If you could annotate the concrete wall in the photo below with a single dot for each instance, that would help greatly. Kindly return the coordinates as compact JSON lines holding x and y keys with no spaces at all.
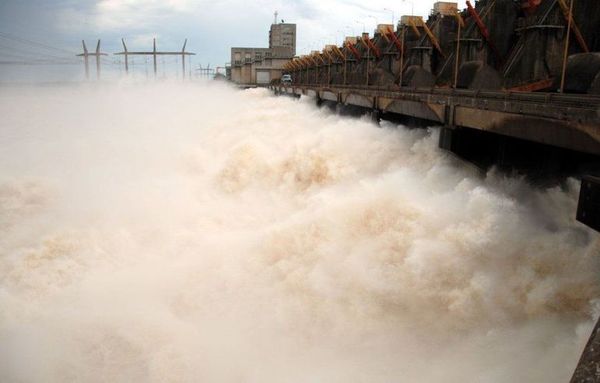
{"x":245,"y":62}
{"x":445,"y":8}
{"x":283,"y":35}
{"x":246,"y":73}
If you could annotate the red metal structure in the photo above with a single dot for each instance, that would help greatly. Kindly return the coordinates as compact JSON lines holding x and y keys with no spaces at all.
{"x":484,"y":32}
{"x":570,"y":20}
{"x":354,"y":51}
{"x":372,"y":47}
{"x":394,"y":38}
{"x":530,"y":6}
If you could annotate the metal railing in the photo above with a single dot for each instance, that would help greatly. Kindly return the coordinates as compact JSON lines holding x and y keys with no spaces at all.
{"x":576,"y":100}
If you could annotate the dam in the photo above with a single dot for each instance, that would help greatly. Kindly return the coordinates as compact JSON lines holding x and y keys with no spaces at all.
{"x":511,"y":84}
{"x":415,"y":204}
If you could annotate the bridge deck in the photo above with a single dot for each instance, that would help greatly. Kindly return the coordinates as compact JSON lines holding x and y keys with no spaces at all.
{"x":563,"y":120}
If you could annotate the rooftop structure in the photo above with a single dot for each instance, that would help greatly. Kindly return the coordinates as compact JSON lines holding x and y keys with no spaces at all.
{"x":257,"y":66}
{"x":445,"y":8}
{"x":283,"y":35}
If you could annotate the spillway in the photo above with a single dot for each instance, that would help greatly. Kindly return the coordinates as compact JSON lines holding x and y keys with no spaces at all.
{"x":193,"y":232}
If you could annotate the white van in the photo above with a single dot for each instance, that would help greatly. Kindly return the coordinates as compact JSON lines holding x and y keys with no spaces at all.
{"x":286,"y":79}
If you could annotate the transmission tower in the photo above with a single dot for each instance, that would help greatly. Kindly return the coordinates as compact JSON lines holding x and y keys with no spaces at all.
{"x":154,"y":53}
{"x":86,"y":56}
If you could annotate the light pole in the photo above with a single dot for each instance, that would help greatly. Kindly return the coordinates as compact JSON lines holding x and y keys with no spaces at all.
{"x":329,"y":59}
{"x":412,"y":4}
{"x":352,"y":33}
{"x":345,"y":57}
{"x":374,"y":18}
{"x":393,"y":18}
{"x":363,"y":24}
{"x":341,"y":32}
{"x":566,"y":52}
{"x":369,"y":50}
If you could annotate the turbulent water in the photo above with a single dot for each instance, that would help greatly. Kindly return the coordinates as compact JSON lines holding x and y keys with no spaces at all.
{"x":194,"y":233}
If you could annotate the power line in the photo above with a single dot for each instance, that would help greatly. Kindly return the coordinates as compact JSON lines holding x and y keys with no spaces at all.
{"x":4,"y":48}
{"x":18,"y":51}
{"x":21,"y":47}
{"x":37,"y":44}
{"x":33,"y":59}
{"x":33,"y":63}
{"x":155,"y":53}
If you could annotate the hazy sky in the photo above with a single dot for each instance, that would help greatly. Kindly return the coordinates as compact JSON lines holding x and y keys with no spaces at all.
{"x":212,"y":27}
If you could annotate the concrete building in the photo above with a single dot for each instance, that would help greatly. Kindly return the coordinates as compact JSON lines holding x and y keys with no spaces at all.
{"x":257,"y":66}
{"x":283,"y":35}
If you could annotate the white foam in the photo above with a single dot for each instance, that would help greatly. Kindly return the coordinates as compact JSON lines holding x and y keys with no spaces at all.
{"x":176,"y":232}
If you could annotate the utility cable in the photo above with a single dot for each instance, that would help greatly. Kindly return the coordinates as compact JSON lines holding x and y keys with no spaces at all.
{"x":8,"y":36}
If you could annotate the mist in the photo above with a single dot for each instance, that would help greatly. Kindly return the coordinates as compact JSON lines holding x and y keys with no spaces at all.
{"x":193,"y":232}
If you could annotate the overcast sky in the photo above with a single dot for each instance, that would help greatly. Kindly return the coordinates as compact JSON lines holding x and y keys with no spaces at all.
{"x":212,"y":27}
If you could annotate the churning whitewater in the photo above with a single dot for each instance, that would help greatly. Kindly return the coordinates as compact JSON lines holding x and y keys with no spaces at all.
{"x":196,"y":233}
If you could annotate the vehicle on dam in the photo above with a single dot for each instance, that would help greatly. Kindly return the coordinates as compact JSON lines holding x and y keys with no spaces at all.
{"x":286,"y":79}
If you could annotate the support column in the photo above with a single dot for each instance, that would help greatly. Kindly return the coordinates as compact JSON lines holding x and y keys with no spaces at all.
{"x":86,"y":61}
{"x":154,"y":55}
{"x":183,"y":59}
{"x":126,"y":54}
{"x":98,"y":60}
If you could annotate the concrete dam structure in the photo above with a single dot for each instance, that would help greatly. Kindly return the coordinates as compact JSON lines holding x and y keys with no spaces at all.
{"x":524,"y":70}
{"x":514,"y":84}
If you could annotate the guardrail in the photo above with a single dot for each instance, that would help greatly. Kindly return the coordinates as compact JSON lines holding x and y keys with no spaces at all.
{"x":553,"y":105}
{"x":547,"y":98}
